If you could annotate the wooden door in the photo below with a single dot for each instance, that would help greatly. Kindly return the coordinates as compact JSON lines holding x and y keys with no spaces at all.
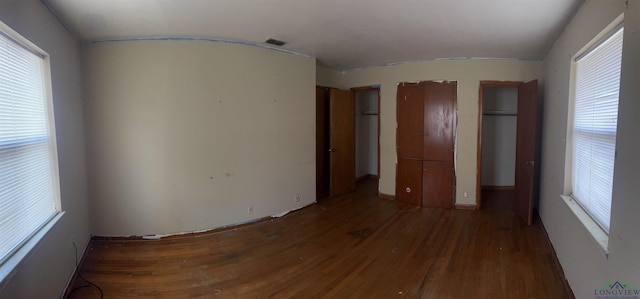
{"x":439,"y":120}
{"x":526,"y":145}
{"x":409,"y":181}
{"x":342,"y":146}
{"x":410,"y":119}
{"x":437,"y":184}
{"x":322,"y":141}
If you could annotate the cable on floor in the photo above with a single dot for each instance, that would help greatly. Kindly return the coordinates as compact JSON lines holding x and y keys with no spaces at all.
{"x":89,"y":283}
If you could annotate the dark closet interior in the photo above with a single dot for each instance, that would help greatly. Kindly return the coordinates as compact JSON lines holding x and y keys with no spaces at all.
{"x":322,"y":141}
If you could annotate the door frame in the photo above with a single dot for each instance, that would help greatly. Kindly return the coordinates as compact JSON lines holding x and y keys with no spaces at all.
{"x":484,"y":84}
{"x":368,"y":88}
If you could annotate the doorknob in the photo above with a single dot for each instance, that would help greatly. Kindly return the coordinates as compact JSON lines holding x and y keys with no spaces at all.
{"x":332,"y":150}
{"x":530,"y":163}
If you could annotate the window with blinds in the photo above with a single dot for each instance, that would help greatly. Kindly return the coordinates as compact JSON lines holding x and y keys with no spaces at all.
{"x":29,"y":195}
{"x":595,"y":119}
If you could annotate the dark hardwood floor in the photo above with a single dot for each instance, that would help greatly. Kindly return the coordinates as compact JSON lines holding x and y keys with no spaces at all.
{"x":353,"y":246}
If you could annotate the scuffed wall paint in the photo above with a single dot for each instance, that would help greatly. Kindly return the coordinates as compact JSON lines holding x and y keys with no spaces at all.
{"x":191,"y":135}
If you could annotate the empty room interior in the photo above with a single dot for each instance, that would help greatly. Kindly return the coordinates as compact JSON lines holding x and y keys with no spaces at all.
{"x":319,"y":149}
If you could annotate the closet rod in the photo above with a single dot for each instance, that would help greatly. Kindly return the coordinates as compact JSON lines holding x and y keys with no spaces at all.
{"x":496,"y":112}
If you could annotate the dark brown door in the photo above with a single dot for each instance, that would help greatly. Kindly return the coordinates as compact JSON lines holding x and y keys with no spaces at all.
{"x":526,"y":139}
{"x":439,"y":113}
{"x":322,"y":141}
{"x":437,"y":182}
{"x":426,"y":132}
{"x":410,"y":116}
{"x":342,"y":147}
{"x":409,"y":181}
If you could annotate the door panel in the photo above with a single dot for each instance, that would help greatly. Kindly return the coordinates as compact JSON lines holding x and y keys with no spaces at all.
{"x":342,"y":135}
{"x":437,"y":182}
{"x":410,"y":119}
{"x":439,"y":126}
{"x":409,"y":181}
{"x":322,"y":141}
{"x":526,"y":140}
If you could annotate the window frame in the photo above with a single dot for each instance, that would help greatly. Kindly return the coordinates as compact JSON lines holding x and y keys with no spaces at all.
{"x":591,"y":225}
{"x":15,"y":258}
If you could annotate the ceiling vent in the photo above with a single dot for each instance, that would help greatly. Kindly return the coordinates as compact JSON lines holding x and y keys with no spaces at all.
{"x":275,"y":42}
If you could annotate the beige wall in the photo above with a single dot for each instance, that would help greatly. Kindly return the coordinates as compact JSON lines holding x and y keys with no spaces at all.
{"x":189,"y":135}
{"x":330,"y":78}
{"x":582,"y":259}
{"x":468,"y":73}
{"x":45,"y":272}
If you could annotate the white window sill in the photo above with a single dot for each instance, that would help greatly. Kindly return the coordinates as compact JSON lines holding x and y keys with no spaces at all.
{"x":599,"y":235}
{"x":9,"y":268}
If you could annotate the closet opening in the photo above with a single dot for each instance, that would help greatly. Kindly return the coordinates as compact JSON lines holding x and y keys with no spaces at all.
{"x":367,"y":133}
{"x":499,"y":123}
{"x":335,"y":142}
{"x":497,"y":132}
{"x":508,"y":139}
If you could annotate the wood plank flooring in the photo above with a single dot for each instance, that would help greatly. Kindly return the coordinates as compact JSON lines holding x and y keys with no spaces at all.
{"x":353,"y":246}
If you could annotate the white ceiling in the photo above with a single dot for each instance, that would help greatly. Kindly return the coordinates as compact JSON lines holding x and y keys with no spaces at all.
{"x":341,"y":34}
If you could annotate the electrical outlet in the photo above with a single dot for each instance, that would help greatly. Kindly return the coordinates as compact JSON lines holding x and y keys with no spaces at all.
{"x":250,"y":209}
{"x":297,"y":197}
{"x":466,"y":194}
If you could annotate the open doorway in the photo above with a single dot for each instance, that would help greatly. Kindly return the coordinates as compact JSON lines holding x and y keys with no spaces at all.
{"x":497,"y":133}
{"x":508,"y":135}
{"x":347,"y":138}
{"x":367,"y":133}
{"x":499,"y":122}
{"x":335,"y":142}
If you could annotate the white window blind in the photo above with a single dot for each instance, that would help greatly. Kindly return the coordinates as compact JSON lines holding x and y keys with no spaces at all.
{"x":595,"y":122}
{"x":28,"y":197}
